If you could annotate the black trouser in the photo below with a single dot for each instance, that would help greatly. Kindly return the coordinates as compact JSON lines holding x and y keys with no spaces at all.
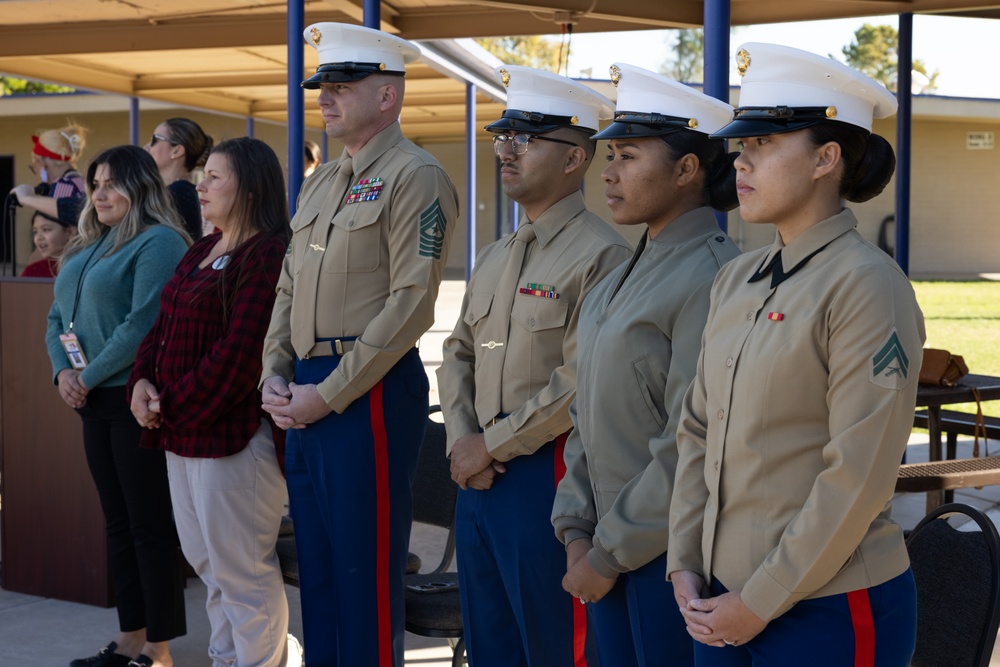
{"x":142,"y":542}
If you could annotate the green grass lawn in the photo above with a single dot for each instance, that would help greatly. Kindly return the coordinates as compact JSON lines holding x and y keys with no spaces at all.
{"x":964,"y":318}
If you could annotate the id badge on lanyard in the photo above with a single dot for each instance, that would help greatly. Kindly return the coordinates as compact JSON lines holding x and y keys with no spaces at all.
{"x":71,"y":344}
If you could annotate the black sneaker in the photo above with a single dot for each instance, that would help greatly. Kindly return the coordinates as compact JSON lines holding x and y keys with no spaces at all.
{"x":106,"y":657}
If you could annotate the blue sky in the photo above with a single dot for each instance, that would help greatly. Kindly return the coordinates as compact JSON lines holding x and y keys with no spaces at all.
{"x":962,"y":50}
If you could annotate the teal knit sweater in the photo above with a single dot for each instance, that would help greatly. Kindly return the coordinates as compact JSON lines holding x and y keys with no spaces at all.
{"x":119,"y":302}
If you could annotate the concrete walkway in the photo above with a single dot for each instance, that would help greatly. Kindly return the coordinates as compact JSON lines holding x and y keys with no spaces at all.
{"x":40,"y":632}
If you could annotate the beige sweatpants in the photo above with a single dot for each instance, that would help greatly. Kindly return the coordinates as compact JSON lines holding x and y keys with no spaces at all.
{"x":228,"y":511}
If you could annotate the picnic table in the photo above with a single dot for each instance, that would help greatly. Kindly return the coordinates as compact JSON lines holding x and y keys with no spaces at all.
{"x":934,"y":397}
{"x":938,"y":475}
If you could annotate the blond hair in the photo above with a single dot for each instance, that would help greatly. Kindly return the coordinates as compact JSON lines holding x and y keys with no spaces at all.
{"x":66,"y":141}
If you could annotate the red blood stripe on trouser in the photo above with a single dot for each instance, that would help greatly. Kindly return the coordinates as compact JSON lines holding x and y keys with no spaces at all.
{"x":864,"y":628}
{"x":579,"y":610}
{"x":381,"y":527}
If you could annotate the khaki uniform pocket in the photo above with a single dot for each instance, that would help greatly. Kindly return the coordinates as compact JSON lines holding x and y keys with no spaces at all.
{"x":355,"y":242}
{"x":537,"y":329}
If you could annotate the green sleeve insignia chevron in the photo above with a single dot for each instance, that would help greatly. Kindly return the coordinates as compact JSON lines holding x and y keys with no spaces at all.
{"x":890,"y":367}
{"x":432,"y":226}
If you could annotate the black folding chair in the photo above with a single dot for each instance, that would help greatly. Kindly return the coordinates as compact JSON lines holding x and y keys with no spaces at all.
{"x":433,"y":606}
{"x":958,"y":589}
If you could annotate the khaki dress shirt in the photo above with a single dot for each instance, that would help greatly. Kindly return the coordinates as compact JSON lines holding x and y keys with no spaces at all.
{"x":792,"y":432}
{"x":638,"y":355}
{"x":572,"y":251}
{"x":375,"y":264}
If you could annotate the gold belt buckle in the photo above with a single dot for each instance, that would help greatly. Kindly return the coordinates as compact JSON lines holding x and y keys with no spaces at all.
{"x":492,"y":422}
{"x":339,"y":346}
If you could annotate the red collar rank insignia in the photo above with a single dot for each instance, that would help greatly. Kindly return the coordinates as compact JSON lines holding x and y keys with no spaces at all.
{"x":367,"y":189}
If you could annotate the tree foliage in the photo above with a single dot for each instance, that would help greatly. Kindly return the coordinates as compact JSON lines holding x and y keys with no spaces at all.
{"x":875,"y":51}
{"x":12,"y":86}
{"x":528,"y":50}
{"x":687,"y":62}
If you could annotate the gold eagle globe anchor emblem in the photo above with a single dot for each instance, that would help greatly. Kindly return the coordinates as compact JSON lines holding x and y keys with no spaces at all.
{"x":742,"y":61}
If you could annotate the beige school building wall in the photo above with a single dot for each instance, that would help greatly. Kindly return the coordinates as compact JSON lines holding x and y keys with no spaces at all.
{"x":954,"y":206}
{"x":954,"y":203}
{"x":107,"y":122}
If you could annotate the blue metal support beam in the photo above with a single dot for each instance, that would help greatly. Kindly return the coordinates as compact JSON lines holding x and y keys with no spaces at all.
{"x":372,"y":11}
{"x":133,"y":121}
{"x":904,"y":135}
{"x":470,"y":178}
{"x":250,"y":126}
{"x":296,"y":102}
{"x":717,"y":17}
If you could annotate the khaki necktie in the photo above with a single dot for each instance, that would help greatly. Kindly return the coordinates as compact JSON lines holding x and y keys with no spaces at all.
{"x":489,"y":376}
{"x":303,"y":315}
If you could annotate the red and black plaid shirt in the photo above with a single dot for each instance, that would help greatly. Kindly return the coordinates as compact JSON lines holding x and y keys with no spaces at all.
{"x":205,"y":367}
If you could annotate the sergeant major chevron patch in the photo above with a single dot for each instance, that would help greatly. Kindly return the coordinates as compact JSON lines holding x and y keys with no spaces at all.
{"x":432,"y":227}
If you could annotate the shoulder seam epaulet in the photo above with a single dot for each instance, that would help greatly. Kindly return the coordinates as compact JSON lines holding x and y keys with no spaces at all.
{"x":715,"y":245}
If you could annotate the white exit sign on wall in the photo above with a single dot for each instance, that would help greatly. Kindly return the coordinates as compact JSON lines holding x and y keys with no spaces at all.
{"x":979,"y":141}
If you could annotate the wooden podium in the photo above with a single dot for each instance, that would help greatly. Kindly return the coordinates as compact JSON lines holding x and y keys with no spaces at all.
{"x":52,"y":541}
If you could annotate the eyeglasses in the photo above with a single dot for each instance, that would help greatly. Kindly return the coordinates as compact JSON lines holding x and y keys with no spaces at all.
{"x":160,"y":137}
{"x":519,"y":142}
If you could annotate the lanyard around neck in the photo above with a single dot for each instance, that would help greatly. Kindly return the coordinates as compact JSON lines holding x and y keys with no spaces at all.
{"x":83,"y":275}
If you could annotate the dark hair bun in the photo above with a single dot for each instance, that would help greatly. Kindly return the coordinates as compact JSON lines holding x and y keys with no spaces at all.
{"x":203,"y":158}
{"x":874,"y":171}
{"x":197,"y":145}
{"x":722,"y":184}
{"x":719,"y":188}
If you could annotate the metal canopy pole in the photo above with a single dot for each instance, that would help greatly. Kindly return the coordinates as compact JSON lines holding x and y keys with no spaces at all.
{"x":904,"y":137}
{"x":296,"y":102}
{"x":470,"y":178}
{"x":133,"y":121}
{"x":372,"y":11}
{"x":717,"y":18}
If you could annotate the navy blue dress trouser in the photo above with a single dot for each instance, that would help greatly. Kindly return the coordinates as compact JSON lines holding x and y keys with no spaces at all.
{"x":638,"y":624}
{"x":510,"y":567}
{"x":349,"y":488}
{"x":872,"y":627}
